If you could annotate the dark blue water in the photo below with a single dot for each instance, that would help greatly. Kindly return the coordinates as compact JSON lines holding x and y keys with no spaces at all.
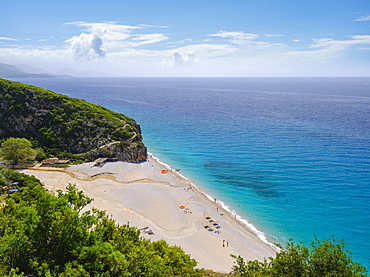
{"x":290,"y":155}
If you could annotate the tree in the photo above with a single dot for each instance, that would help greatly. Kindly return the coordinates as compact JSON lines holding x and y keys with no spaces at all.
{"x":17,"y":149}
{"x":53,"y":235}
{"x":324,"y":258}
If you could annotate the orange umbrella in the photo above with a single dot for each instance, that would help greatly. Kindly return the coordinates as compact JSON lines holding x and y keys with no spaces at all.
{"x":182,"y":207}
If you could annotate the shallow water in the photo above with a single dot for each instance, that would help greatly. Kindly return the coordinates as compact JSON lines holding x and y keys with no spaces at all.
{"x":290,"y":155}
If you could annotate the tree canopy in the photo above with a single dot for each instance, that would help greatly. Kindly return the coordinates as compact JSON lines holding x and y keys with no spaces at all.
{"x":46,"y":235}
{"x":17,"y":150}
{"x":326,"y":258}
{"x":42,"y":234}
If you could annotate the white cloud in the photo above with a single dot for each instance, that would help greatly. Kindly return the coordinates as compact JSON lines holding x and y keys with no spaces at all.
{"x":86,"y":46}
{"x":328,"y":48}
{"x":209,"y":51}
{"x":236,"y":37}
{"x":183,"y":60}
{"x":245,"y":39}
{"x":143,"y":50}
{"x":8,"y":39}
{"x":274,"y":36}
{"x":114,"y":37}
{"x":338,"y":45}
{"x":148,"y":39}
{"x":363,"y":18}
{"x":153,"y":26}
{"x":184,"y":41}
{"x":101,"y":28}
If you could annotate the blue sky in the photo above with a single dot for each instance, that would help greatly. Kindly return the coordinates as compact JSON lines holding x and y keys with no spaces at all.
{"x":189,"y":38}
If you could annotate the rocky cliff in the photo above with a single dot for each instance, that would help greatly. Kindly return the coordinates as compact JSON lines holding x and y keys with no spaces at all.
{"x":58,"y":123}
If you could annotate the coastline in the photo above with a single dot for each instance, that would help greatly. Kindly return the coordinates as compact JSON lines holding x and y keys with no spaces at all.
{"x":261,"y":235}
{"x":150,"y":196}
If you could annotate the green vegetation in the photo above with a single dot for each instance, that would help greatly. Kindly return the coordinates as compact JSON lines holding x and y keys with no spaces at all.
{"x":17,"y":150}
{"x":324,"y":258}
{"x":61,"y":125}
{"x":46,"y":235}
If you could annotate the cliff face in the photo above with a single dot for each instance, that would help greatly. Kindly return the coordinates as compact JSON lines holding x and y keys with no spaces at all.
{"x":60,"y":123}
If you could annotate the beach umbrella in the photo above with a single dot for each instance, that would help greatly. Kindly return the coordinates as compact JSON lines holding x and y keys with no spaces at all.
{"x":182,"y":207}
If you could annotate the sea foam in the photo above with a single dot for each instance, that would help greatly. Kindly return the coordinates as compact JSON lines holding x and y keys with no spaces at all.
{"x":261,"y":235}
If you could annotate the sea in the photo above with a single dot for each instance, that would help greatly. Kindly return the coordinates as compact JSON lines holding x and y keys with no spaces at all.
{"x":289,"y":156}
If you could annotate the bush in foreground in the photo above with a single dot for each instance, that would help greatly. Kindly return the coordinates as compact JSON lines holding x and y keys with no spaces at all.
{"x":46,"y":235}
{"x":323,"y":259}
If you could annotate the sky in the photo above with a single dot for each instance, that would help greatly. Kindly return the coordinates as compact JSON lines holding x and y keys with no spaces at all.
{"x":234,"y":38}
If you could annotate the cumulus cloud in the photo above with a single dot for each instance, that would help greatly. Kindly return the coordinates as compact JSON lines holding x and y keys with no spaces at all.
{"x":115,"y":38}
{"x":183,"y":60}
{"x":87,"y":46}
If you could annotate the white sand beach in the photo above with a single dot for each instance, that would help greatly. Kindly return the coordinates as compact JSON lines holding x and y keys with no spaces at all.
{"x":141,"y":195}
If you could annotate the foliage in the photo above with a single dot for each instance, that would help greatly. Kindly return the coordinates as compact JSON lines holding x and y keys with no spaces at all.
{"x":17,"y":149}
{"x":46,"y":235}
{"x":324,"y":258}
{"x":58,"y":125}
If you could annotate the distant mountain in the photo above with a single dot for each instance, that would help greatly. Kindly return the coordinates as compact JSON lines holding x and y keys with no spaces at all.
{"x":11,"y":71}
{"x":30,"y":69}
{"x":7,"y":70}
{"x":70,"y":71}
{"x":26,"y":71}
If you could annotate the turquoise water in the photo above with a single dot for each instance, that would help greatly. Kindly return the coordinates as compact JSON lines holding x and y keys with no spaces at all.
{"x":290,"y":155}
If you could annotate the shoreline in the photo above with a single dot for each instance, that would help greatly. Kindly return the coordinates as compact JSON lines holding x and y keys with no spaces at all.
{"x":261,"y":235}
{"x":141,"y":195}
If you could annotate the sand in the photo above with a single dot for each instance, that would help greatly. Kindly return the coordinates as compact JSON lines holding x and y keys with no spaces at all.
{"x":141,"y":195}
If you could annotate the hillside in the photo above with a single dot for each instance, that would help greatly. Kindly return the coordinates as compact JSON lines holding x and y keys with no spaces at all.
{"x":57,"y":123}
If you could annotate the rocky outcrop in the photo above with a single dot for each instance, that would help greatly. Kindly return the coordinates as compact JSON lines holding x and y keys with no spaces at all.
{"x":121,"y":151}
{"x":58,"y":123}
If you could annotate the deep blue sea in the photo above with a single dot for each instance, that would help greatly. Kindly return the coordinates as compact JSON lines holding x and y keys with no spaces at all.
{"x":289,"y":155}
